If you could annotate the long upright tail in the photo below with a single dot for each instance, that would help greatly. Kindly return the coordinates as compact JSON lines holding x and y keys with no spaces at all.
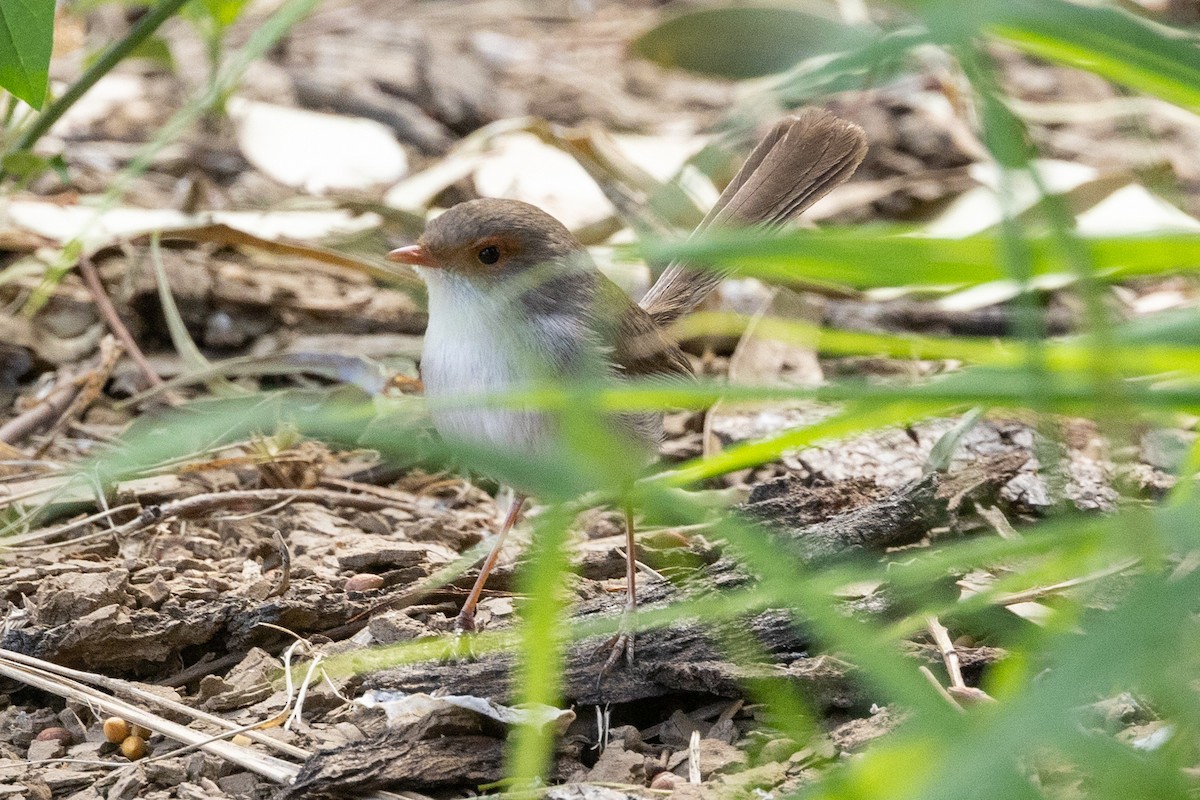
{"x":798,"y":163}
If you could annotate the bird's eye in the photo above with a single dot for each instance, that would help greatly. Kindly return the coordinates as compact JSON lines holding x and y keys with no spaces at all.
{"x":489,"y":254}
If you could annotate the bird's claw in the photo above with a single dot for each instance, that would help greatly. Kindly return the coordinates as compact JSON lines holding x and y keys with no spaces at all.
{"x":460,"y":644}
{"x":618,"y":646}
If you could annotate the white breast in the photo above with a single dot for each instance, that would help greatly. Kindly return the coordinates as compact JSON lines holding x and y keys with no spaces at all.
{"x":473,"y":347}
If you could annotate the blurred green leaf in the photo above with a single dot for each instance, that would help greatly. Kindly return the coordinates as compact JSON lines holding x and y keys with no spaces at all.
{"x":544,"y":635}
{"x":225,"y":12}
{"x":1111,"y":42}
{"x":1142,"y":347}
{"x":1180,"y":326}
{"x":882,"y":257}
{"x":876,"y":61}
{"x":26,"y":39}
{"x":156,"y":50}
{"x":743,"y":41}
{"x":26,"y":166}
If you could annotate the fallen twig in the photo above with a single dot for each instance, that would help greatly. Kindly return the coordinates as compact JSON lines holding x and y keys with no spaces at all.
{"x":941,"y":637}
{"x":115,"y":324}
{"x":937,"y":687}
{"x":120,"y":687}
{"x":1000,"y":524}
{"x":44,"y":413}
{"x":958,"y":689}
{"x":199,"y":504}
{"x":1042,"y":591}
{"x":91,"y":386}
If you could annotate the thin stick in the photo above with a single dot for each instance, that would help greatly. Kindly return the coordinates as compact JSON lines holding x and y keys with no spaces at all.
{"x":1000,"y":524}
{"x":1041,"y":591}
{"x":941,"y":638}
{"x":91,"y":386}
{"x":199,"y":504}
{"x":694,"y":758}
{"x":937,"y":686}
{"x":285,"y":567}
{"x":50,"y":408}
{"x":115,"y":324}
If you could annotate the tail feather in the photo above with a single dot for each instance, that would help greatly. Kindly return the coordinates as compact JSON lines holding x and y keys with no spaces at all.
{"x":796,"y":164}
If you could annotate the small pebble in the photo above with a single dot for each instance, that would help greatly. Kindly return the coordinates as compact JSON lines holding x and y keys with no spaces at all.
{"x":665,"y":780}
{"x":363,"y":582}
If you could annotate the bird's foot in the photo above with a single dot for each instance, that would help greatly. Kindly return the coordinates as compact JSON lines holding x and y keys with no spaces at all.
{"x":465,"y":622}
{"x":618,"y":646}
{"x":460,"y":644}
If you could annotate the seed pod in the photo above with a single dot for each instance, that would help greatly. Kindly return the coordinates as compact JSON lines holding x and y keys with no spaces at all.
{"x":133,"y":748}
{"x":55,"y":734}
{"x":663,"y":540}
{"x":241,"y":740}
{"x":138,"y":730}
{"x":116,"y":730}
{"x":363,"y":582}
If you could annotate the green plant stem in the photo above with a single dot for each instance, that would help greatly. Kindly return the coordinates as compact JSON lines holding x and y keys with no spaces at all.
{"x":10,"y":108}
{"x":103,"y":65}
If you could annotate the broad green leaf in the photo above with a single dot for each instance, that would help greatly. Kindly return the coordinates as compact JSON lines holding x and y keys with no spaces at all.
{"x":743,"y":41}
{"x":1111,"y":42}
{"x":1108,"y":41}
{"x":26,"y":37}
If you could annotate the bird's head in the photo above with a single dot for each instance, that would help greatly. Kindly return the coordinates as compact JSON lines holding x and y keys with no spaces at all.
{"x":490,"y":242}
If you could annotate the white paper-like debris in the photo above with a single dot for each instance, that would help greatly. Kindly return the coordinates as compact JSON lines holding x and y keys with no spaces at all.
{"x":992,"y":293}
{"x":661,"y":156}
{"x":116,"y":92}
{"x":1128,"y":209}
{"x":418,"y":190}
{"x":316,"y":152}
{"x":297,"y":225}
{"x":62,"y":223}
{"x":95,"y":228}
{"x":520,"y":166}
{"x":979,"y":209}
{"x":403,"y":709}
{"x":1131,"y":210}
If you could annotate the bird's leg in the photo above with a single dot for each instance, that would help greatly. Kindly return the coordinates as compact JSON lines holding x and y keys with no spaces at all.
{"x":466,"y":617}
{"x":622,"y":643}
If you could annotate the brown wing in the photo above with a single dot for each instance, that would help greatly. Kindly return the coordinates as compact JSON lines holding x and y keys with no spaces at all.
{"x":639,"y":347}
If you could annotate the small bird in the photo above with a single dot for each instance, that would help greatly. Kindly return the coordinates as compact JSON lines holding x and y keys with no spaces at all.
{"x":514,"y":298}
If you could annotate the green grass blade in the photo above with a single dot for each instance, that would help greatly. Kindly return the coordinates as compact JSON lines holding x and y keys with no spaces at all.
{"x":864,"y":259}
{"x":543,"y":637}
